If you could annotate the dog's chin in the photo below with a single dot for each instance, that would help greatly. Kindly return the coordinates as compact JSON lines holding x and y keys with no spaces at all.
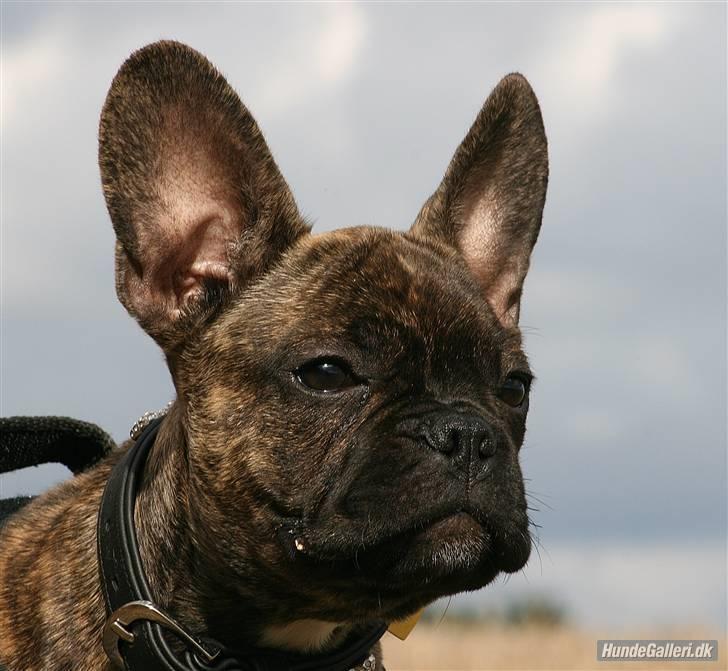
{"x":456,"y":544}
{"x":406,"y":570}
{"x":455,"y":550}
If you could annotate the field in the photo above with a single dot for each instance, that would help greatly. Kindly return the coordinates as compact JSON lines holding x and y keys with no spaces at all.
{"x":478,"y":646}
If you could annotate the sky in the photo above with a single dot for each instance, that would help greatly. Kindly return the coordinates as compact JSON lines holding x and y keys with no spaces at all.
{"x":624,"y":309}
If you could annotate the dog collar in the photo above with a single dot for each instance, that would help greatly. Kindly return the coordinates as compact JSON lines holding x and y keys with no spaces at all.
{"x":134,"y":634}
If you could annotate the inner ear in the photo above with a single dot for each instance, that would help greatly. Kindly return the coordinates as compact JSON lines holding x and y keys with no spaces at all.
{"x":201,"y":211}
{"x":205,"y":260}
{"x":494,"y":255}
{"x":186,"y":228}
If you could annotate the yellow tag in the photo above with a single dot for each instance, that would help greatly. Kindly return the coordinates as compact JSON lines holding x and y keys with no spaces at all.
{"x":402,"y":628}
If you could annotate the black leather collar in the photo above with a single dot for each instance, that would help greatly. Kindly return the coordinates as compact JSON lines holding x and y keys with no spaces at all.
{"x":134,"y":633}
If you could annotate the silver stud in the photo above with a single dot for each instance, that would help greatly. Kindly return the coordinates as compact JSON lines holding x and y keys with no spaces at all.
{"x":369,"y":664}
{"x":145,"y":419}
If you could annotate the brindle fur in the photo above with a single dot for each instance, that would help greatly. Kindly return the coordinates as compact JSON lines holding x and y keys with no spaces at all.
{"x":247,"y":458}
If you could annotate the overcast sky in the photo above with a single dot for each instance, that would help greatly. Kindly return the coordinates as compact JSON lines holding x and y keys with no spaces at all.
{"x":624,"y":309}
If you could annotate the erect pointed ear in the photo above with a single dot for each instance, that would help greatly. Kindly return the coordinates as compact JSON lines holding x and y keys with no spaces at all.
{"x":194,"y":195}
{"x":490,"y":202}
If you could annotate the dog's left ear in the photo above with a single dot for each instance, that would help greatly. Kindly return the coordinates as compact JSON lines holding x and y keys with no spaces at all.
{"x":490,"y":202}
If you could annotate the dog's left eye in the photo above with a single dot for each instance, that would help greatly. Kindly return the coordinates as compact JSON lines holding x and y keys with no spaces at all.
{"x":326,"y":375}
{"x":513,"y":391}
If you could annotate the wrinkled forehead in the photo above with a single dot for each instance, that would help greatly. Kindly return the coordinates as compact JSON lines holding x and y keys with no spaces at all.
{"x":373,"y":288}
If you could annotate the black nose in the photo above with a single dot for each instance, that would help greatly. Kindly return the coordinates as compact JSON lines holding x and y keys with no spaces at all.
{"x":467,"y":439}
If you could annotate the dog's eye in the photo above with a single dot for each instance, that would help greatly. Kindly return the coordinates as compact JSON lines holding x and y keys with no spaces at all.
{"x":513,"y":391}
{"x":326,"y":375}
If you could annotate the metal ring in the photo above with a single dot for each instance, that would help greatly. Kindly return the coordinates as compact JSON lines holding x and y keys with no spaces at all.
{"x":116,"y":629}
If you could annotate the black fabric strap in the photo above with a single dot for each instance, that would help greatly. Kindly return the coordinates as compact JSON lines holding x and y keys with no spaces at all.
{"x":30,"y":441}
{"x":123,"y":581}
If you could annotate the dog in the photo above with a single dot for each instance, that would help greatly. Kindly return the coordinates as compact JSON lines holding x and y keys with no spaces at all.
{"x":350,"y":406}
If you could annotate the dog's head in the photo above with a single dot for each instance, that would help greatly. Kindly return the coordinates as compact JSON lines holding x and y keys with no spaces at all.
{"x":354,"y":402}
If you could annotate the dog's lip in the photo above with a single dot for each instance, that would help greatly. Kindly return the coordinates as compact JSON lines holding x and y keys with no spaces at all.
{"x":307,"y":539}
{"x":439,"y":522}
{"x":459,"y":516}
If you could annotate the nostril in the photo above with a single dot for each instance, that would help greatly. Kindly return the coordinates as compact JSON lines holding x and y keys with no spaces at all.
{"x":450,"y":441}
{"x":487,"y":446}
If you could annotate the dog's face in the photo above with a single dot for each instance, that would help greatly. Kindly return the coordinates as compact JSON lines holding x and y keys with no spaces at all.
{"x":354,"y":402}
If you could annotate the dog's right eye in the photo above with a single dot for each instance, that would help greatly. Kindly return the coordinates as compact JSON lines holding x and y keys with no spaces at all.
{"x":326,"y":375}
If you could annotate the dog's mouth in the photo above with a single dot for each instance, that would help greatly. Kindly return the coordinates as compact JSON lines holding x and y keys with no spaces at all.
{"x":446,"y":545}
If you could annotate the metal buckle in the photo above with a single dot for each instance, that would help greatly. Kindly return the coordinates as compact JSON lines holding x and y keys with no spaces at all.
{"x":116,"y":628}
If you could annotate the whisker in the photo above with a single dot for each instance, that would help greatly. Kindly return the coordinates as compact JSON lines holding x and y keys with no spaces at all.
{"x":543,"y":503}
{"x":442,"y":617}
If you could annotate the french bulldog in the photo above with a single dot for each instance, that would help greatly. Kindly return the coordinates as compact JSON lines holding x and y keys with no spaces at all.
{"x":350,"y":406}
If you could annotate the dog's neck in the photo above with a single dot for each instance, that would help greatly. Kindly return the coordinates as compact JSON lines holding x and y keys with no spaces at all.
{"x":184,"y":583}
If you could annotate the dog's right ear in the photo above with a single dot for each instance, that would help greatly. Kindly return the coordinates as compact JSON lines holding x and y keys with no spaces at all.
{"x":489,"y":205}
{"x":194,"y":195}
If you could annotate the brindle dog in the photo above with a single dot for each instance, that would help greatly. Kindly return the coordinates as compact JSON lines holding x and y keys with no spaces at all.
{"x":364,"y":389}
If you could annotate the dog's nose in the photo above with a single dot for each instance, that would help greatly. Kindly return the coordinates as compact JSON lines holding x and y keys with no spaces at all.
{"x":467,"y":439}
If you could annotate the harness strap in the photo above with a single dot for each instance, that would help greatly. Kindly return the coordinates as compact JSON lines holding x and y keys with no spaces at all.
{"x":29,"y":441}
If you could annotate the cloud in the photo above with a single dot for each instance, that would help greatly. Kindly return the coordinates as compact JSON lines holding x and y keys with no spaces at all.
{"x":291,"y":83}
{"x":590,"y":47}
{"x":340,"y":43}
{"x":28,"y":67}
